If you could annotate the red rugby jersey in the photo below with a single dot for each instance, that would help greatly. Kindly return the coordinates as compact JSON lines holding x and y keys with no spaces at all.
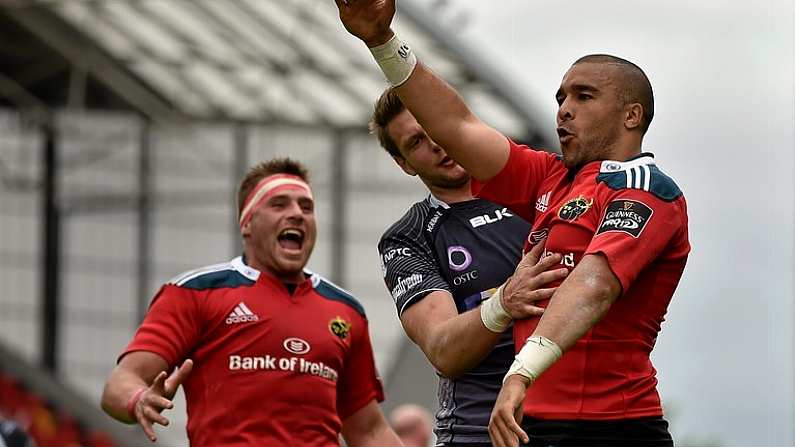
{"x":270,"y":368}
{"x":636,"y":217}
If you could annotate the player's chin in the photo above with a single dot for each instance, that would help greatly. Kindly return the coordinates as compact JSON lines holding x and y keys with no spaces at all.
{"x":571,"y":158}
{"x":455,"y":177}
{"x":290,"y":267}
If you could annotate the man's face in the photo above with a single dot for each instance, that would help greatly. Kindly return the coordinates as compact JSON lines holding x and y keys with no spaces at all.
{"x":422,"y":156}
{"x":590,"y":116}
{"x":281,"y":233}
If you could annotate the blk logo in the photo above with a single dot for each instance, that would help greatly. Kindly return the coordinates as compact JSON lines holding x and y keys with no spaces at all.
{"x":489,"y":219}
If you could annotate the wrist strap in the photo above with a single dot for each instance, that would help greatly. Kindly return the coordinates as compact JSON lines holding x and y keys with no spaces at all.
{"x":134,"y":401}
{"x":538,"y":354}
{"x":396,"y":60}
{"x":493,"y":315}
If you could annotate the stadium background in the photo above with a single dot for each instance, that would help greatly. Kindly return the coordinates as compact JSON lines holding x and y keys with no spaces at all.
{"x":125,"y":126}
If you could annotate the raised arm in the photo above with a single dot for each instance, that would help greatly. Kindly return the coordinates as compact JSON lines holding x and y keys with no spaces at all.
{"x":440,"y":110}
{"x":139,"y":388}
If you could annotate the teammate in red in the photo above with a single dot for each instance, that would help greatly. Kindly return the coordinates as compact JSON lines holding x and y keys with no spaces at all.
{"x":282,"y":356}
{"x":619,"y":223}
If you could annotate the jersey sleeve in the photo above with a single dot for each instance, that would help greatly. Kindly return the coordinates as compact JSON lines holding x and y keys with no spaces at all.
{"x":517,"y":185}
{"x":635,"y":229}
{"x":410,"y":269}
{"x":359,"y":382}
{"x":171,"y":326}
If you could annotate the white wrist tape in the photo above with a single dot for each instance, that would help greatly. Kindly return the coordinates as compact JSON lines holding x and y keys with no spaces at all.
{"x":538,"y":354}
{"x":396,"y":60}
{"x":494,"y":317}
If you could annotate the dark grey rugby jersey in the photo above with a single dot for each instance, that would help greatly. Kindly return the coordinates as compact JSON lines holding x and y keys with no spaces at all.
{"x":467,"y":249}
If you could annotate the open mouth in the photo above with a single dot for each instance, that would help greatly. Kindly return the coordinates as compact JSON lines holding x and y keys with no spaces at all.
{"x":291,"y":239}
{"x":447,"y":162}
{"x":564,"y":134}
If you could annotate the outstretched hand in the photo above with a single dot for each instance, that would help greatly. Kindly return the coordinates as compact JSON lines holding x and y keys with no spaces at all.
{"x":158,"y":397}
{"x":369,"y":20}
{"x":504,"y":428}
{"x":525,"y":287}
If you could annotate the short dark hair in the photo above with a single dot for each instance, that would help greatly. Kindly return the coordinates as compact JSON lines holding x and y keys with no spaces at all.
{"x":637,"y":88}
{"x":264,"y":169}
{"x":387,"y":107}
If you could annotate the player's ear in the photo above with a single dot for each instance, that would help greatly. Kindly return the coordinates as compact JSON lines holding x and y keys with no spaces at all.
{"x":633,"y":115}
{"x":404,"y":165}
{"x":245,"y":230}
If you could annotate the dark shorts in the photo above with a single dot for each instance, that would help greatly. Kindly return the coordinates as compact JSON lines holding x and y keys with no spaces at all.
{"x":646,"y":432}
{"x":470,"y":444}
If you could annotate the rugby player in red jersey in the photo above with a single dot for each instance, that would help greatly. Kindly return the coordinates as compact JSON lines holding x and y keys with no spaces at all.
{"x":268,"y":352}
{"x":618,"y":221}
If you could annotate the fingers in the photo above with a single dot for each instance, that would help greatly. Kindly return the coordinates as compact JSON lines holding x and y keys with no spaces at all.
{"x":550,"y":276}
{"x":177,"y":378}
{"x":517,"y":416}
{"x":159,"y":403}
{"x":499,"y":429}
{"x":146,"y":425}
{"x":534,"y":255}
{"x":151,"y":404}
{"x":516,"y":429}
{"x":547,"y":262}
{"x":531,"y":311}
{"x":158,"y":385}
{"x":152,"y":416}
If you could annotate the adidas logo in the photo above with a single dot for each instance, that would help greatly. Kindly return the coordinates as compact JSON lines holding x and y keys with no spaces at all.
{"x":542,"y":204}
{"x":241,"y":314}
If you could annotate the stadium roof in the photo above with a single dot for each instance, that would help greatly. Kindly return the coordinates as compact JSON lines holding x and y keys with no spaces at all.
{"x":262,"y":61}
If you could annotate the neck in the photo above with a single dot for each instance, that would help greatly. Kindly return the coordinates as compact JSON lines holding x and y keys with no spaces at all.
{"x":452,"y":195}
{"x":623,"y":152}
{"x":254,"y":262}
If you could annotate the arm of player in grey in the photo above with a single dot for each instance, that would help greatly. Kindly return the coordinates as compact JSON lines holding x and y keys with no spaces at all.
{"x":454,"y":343}
{"x":480,"y":149}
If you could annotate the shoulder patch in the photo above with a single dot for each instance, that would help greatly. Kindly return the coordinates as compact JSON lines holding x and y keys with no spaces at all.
{"x":646,"y":177}
{"x":215,"y":280}
{"x":329,"y":290}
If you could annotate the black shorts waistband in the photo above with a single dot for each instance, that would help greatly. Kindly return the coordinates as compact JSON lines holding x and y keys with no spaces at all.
{"x":643,"y":432}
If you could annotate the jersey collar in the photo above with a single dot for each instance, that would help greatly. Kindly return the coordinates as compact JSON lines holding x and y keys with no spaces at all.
{"x":240,"y":266}
{"x":643,"y":159}
{"x":436,"y":202}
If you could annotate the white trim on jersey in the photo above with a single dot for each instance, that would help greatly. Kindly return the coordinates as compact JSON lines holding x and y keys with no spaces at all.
{"x":411,"y":298}
{"x":647,"y":178}
{"x":617,"y":166}
{"x":436,"y":202}
{"x":235,"y":264}
{"x":238,"y":265}
{"x":316,"y":278}
{"x":182,"y":278}
{"x":637,"y":177}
